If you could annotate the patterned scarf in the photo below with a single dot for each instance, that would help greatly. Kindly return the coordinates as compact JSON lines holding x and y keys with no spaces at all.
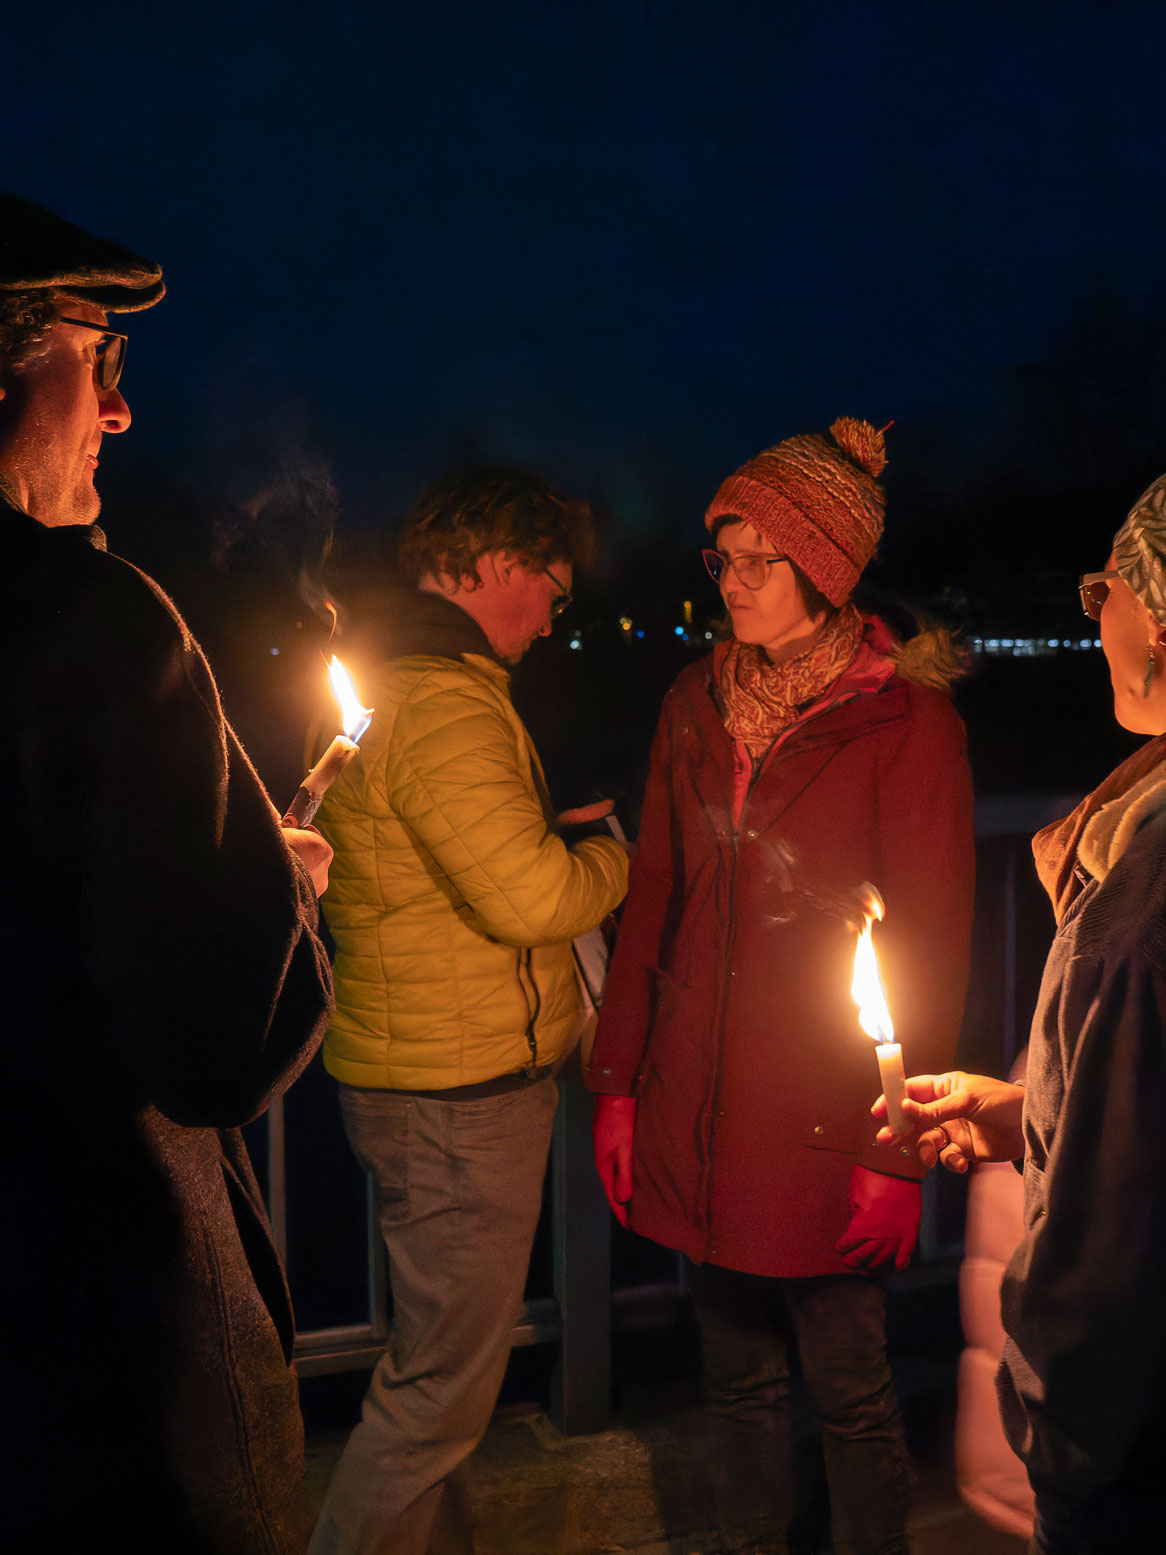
{"x":759,"y":698}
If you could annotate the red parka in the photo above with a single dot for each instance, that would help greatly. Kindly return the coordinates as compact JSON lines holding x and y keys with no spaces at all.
{"x":728,"y":1011}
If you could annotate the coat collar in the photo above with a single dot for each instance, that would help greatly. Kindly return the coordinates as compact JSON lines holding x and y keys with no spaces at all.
{"x":868,"y":703}
{"x":23,"y":535}
{"x":1111,"y":829}
{"x":405,"y":623}
{"x":808,"y":745}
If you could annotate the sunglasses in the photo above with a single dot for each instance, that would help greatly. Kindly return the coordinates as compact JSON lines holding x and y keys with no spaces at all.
{"x":111,"y":353}
{"x":1094,"y":590}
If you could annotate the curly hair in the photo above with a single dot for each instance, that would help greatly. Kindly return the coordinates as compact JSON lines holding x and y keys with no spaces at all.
{"x":473,"y":510}
{"x":25,"y":318}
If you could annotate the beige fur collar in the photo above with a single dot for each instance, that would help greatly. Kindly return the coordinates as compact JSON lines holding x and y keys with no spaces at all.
{"x":1110,"y":832}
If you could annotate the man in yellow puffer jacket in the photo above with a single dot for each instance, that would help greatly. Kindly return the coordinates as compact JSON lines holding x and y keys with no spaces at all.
{"x":453,"y":904}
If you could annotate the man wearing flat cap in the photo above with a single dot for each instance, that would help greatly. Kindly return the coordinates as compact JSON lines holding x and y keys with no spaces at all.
{"x":162,"y":982}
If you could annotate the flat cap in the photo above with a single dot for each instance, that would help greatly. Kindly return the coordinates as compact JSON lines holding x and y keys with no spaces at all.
{"x":38,"y":249}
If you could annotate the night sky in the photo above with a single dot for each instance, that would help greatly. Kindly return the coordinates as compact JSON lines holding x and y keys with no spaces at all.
{"x":628,"y":243}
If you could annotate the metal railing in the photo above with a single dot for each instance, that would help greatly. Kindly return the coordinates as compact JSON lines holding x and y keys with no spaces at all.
{"x":577,"y":1317}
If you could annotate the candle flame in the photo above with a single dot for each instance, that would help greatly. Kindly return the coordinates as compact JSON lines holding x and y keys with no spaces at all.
{"x":353,"y":716}
{"x":866,"y":987}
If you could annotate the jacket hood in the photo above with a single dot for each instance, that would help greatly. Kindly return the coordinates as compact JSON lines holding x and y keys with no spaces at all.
{"x":399,"y":622}
{"x":932,"y":657}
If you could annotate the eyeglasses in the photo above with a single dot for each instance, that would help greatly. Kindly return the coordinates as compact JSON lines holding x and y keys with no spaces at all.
{"x":111,"y":353}
{"x":750,"y":570}
{"x":1094,"y":590}
{"x":562,"y":599}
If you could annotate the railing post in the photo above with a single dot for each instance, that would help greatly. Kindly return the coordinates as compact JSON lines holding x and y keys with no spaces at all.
{"x":581,"y":1384}
{"x":277,"y":1176}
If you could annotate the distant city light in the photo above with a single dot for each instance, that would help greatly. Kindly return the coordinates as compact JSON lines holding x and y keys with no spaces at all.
{"x":275,"y":653}
{"x":625,"y":624}
{"x":640,"y":633}
{"x":1031,"y":647}
{"x":575,"y":643}
{"x":679,"y":630}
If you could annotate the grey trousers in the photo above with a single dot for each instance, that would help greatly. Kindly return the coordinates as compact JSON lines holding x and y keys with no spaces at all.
{"x":459,"y":1188}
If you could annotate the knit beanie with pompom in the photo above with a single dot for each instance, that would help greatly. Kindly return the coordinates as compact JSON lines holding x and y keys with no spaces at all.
{"x":817,"y":499}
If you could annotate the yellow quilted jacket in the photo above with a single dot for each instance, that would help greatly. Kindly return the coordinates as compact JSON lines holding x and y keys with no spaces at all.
{"x":452,"y":904}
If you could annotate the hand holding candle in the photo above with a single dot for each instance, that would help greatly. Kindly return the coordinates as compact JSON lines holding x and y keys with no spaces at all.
{"x":959,"y":1119}
{"x":343,"y":748}
{"x":873,"y":1015}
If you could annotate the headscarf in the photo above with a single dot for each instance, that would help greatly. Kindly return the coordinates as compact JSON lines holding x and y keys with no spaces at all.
{"x":1139,"y":549}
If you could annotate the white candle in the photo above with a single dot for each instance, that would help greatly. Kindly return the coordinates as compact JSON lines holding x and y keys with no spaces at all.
{"x":890,"y":1057}
{"x":309,"y":795}
{"x":343,"y":748}
{"x":874,"y":1017}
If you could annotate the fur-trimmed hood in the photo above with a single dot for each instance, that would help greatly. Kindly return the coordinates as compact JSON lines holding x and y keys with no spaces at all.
{"x":932,"y":657}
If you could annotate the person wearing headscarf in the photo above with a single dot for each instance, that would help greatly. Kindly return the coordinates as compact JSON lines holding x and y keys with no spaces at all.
{"x":810,"y":754}
{"x":1084,"y":1372}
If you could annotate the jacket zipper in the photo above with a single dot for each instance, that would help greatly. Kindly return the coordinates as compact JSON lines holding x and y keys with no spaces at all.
{"x":528,"y":986}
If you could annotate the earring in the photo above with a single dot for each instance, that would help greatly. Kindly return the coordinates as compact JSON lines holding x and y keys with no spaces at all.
{"x":1151,"y":667}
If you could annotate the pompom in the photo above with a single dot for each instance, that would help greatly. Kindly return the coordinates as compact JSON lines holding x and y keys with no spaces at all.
{"x":862,"y":442}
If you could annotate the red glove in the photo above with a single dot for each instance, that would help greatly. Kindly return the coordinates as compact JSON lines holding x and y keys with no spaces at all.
{"x":884,"y":1220}
{"x":612,"y":1129}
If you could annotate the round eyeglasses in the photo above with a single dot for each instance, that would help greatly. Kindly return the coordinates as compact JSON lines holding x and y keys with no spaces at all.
{"x":752,"y":571}
{"x":1094,"y":590}
{"x":111,"y":353}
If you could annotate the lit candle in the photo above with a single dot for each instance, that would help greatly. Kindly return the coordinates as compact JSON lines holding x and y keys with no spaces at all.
{"x":874,"y":1017}
{"x":343,"y":748}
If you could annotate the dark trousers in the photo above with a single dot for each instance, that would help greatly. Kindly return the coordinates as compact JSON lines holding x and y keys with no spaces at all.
{"x":751,"y":1329}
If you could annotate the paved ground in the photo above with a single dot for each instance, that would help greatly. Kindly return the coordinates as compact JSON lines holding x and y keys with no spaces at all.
{"x":637,"y":1489}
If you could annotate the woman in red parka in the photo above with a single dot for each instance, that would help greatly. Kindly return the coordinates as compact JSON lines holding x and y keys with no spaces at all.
{"x":810,"y":753}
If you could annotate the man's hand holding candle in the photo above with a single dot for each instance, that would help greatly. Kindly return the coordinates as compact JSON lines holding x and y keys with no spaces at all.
{"x":312,"y":849}
{"x":310,"y":846}
{"x":959,"y":1118}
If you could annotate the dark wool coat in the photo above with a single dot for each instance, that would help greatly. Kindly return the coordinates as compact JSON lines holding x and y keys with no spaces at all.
{"x":728,"y":1010}
{"x":162,"y":982}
